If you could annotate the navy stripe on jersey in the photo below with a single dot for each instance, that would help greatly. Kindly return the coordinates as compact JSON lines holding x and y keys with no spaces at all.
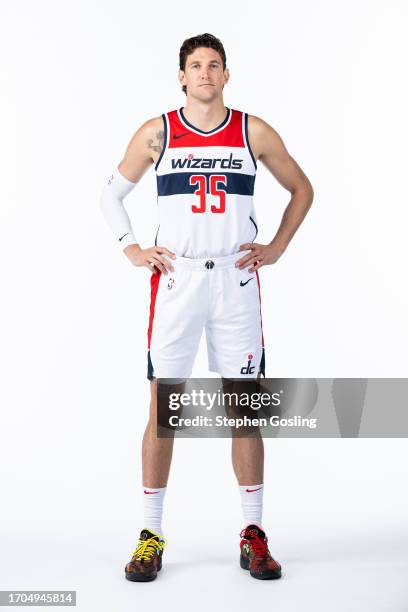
{"x":165,"y":143}
{"x":256,"y":227}
{"x":247,"y":138}
{"x":178,"y":182}
{"x":223,"y":122}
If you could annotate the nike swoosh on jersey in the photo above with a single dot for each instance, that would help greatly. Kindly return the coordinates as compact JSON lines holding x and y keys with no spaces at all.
{"x":175,"y":136}
{"x":246,"y":282}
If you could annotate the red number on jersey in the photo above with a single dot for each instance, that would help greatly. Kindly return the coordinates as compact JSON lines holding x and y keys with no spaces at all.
{"x":214,"y":180}
{"x":201,"y":179}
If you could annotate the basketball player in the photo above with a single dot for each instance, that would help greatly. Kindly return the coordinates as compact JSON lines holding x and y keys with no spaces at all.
{"x":204,"y":269}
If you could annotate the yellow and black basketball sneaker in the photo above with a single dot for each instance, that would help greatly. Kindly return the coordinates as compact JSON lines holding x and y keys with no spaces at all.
{"x":255,"y":555}
{"x":147,"y":558}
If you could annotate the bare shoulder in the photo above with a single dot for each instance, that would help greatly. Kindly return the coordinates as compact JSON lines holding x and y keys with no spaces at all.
{"x":268,"y":146}
{"x":263,"y":138}
{"x":153,"y":133}
{"x":144,"y":149}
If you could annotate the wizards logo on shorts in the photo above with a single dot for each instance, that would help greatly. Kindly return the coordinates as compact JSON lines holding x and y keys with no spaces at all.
{"x":170,"y":283}
{"x":248,"y":369}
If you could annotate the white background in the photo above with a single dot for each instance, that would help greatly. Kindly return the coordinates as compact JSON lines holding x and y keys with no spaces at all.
{"x":77,"y":79}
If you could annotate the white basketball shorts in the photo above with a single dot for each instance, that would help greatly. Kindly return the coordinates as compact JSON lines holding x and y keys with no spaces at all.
{"x":210,"y":294}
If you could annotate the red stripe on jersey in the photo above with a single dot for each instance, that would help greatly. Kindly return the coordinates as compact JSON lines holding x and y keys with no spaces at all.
{"x":229,"y":136}
{"x":154,"y":284}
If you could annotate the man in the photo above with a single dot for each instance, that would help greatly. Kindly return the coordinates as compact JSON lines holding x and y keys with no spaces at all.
{"x":204,"y":269}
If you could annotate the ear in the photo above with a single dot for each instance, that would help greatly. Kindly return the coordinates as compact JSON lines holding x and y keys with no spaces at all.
{"x":226,"y":75}
{"x":181,"y":77}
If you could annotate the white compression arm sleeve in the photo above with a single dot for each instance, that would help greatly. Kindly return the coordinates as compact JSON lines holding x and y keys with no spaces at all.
{"x":114,"y":211}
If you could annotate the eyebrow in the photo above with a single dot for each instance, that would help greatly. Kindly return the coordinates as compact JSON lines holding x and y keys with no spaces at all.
{"x":211,"y":62}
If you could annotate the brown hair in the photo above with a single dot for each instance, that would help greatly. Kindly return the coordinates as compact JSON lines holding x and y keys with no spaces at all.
{"x":202,"y":40}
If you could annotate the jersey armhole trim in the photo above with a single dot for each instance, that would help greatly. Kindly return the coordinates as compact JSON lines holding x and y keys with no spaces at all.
{"x":164,"y":140}
{"x":247,"y":139}
{"x":256,"y":227}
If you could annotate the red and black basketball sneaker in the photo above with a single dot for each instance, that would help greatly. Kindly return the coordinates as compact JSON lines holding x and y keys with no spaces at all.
{"x":147,"y":558}
{"x":255,"y":555}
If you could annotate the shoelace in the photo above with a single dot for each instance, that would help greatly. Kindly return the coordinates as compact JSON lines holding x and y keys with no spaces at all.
{"x":147,"y":548}
{"x":258,"y":545}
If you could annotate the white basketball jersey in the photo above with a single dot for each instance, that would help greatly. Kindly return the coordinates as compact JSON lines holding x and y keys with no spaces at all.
{"x":205,"y":187}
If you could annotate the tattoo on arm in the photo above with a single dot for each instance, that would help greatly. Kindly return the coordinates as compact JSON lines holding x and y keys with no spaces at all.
{"x":157,"y":145}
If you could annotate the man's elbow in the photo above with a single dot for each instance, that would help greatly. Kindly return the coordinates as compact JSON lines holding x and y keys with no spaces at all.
{"x":305,"y":190}
{"x":310,"y":193}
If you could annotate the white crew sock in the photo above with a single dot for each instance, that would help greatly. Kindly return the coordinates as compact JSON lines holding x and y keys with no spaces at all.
{"x":153,"y":509}
{"x":251,"y":501}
